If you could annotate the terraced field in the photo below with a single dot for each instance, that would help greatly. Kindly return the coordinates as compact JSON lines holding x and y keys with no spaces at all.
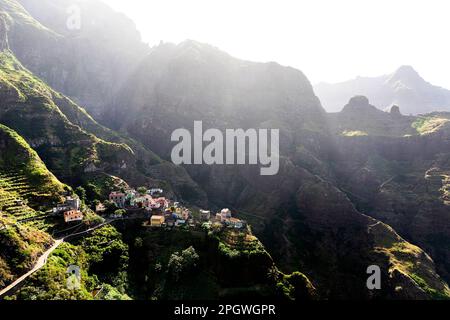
{"x":15,"y":192}
{"x":441,"y":178}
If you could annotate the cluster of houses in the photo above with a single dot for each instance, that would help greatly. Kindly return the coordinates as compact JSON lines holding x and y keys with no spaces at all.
{"x":172,"y":216}
{"x":70,"y":209}
{"x":130,"y":199}
{"x":165,"y":213}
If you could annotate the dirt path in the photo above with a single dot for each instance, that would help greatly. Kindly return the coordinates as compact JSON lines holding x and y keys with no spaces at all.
{"x":39,"y":264}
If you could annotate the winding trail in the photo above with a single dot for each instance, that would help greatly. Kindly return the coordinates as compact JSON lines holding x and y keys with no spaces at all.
{"x":39,"y":264}
{"x":43,"y":258}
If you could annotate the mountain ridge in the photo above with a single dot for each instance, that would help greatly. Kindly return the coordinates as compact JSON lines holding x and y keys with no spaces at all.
{"x":404,"y":87}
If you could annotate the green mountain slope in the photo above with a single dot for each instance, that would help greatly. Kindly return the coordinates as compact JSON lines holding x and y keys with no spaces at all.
{"x":25,"y":187}
{"x":29,"y":109}
{"x":72,"y":144}
{"x":24,"y":178}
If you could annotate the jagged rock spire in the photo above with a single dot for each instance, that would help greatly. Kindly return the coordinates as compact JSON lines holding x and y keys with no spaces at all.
{"x":395,"y":110}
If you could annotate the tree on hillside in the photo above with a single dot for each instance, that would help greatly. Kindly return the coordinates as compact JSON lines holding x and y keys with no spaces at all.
{"x":182,"y":262}
{"x":142,"y":190}
{"x":81,"y":192}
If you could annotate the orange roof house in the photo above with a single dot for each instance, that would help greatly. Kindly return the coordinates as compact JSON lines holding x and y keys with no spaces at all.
{"x":73,"y":215}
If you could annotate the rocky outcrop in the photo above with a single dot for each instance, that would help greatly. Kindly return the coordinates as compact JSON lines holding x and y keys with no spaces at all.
{"x":360,"y":118}
{"x":395,"y":111}
{"x":359,"y":105}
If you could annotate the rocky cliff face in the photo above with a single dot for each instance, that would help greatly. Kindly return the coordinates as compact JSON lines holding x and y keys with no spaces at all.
{"x":3,"y":32}
{"x":177,"y":84}
{"x":59,"y":119}
{"x":398,"y":176}
{"x":87,"y":64}
{"x":63,"y":135}
{"x":306,"y":222}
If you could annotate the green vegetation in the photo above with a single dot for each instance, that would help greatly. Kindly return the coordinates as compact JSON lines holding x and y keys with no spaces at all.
{"x":21,"y":247}
{"x":427,"y":125}
{"x":354,"y":133}
{"x":295,"y":286}
{"x":107,"y":256}
{"x":409,"y":260}
{"x":234,"y":244}
{"x":24,"y":178}
{"x":17,"y":13}
{"x":183,"y":262}
{"x":67,"y":149}
{"x":142,"y":190}
{"x":436,"y":295}
{"x":102,"y":259}
{"x":50,"y":283}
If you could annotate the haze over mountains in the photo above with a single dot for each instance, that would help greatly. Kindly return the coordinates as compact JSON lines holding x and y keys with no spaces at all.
{"x":404,"y":88}
{"x":355,"y":188}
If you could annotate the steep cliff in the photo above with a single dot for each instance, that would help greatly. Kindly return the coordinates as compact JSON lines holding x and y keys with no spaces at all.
{"x":88,"y":61}
{"x":398,"y":173}
{"x":25,"y":187}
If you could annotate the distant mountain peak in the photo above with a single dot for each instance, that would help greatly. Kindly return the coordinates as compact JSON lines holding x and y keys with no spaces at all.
{"x":406,"y":70}
{"x":404,"y":87}
{"x":407,"y":75}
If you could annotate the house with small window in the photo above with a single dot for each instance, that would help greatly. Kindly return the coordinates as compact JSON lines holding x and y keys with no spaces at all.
{"x":205,"y":215}
{"x":143,"y":202}
{"x":226,"y":213}
{"x":163,"y":202}
{"x":131,"y":194}
{"x":118,"y":198}
{"x":100,"y":208}
{"x":235,"y":223}
{"x":73,"y":215}
{"x":154,"y":205}
{"x":69,"y":204}
{"x":155,"y":191}
{"x":73,"y":203}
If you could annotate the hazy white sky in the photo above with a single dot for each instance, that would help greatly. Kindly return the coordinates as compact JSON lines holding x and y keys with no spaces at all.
{"x":329,"y":40}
